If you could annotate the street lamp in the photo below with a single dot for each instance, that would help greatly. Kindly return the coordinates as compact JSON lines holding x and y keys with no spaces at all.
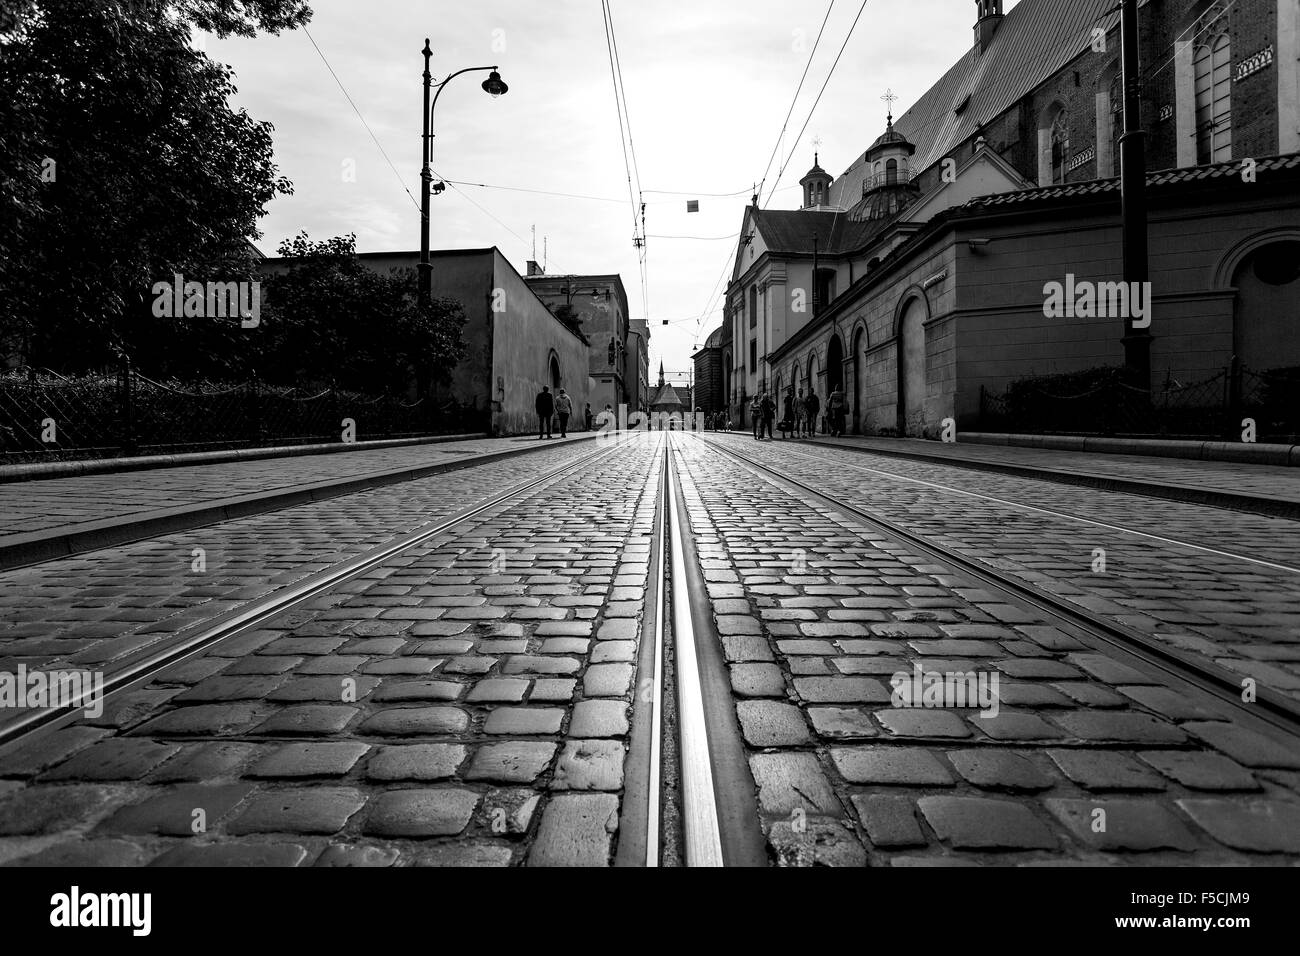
{"x":494,"y":86}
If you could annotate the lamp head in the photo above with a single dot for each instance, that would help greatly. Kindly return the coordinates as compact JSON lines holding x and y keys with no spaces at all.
{"x":495,"y":85}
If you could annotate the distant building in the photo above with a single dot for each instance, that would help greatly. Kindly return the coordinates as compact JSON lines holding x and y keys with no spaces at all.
{"x":636,"y":367}
{"x":598,"y":303}
{"x":670,"y":400}
{"x":514,"y":345}
{"x":710,"y":388}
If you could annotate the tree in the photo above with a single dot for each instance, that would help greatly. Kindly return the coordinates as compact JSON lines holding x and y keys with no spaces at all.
{"x":121,"y":164}
{"x":328,"y":318}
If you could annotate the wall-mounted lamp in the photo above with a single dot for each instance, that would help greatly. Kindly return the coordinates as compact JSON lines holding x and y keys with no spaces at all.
{"x":976,"y":244}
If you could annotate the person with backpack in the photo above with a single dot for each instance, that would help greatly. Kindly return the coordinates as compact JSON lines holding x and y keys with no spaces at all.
{"x":564,"y":408}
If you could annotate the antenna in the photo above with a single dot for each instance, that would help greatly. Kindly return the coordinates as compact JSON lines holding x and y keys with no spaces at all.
{"x":543,"y":253}
{"x":534,"y":256}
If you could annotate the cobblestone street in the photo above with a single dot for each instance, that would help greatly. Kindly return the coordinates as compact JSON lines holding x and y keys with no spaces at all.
{"x":481,"y":682}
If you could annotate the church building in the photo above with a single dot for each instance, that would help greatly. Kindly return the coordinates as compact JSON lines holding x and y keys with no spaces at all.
{"x":918,"y":279}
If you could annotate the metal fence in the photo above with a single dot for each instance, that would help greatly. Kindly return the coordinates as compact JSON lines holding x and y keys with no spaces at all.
{"x":1210,"y":409}
{"x":45,"y":416}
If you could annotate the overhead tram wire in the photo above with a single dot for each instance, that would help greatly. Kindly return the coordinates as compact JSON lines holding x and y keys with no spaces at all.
{"x":346,"y":96}
{"x":798,"y":89}
{"x":848,"y":36}
{"x":720,"y":284}
{"x":384,"y":152}
{"x":624,"y":135}
{"x":644,"y":252}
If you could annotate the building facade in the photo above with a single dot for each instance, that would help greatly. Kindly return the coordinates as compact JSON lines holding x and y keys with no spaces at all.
{"x":636,"y":367}
{"x":598,"y":303}
{"x":919,"y":275}
{"x":514,"y":345}
{"x":710,"y":393}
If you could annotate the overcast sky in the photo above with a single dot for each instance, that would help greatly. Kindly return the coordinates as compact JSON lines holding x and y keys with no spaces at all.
{"x":708,"y":84}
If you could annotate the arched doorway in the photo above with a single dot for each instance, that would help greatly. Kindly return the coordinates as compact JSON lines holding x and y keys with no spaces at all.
{"x":834,"y":365}
{"x":812,"y":374}
{"x":554,"y":373}
{"x":1266,"y":321}
{"x":859,"y":386}
{"x":911,"y":368}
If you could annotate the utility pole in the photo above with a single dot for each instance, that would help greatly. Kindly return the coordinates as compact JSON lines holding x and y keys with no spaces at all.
{"x":1133,"y":204}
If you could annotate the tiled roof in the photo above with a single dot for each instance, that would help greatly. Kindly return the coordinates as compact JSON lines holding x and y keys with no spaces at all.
{"x":1035,"y":39}
{"x":666,"y":395}
{"x":792,"y":230}
{"x":1217,"y":173}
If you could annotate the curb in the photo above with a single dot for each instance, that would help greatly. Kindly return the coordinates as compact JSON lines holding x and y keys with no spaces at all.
{"x":1245,"y":452}
{"x":35,"y":471}
{"x":1255,"y":504}
{"x":23,"y":550}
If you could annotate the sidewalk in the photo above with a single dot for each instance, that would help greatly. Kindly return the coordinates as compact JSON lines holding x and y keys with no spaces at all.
{"x":55,"y":517}
{"x":1262,"y":489}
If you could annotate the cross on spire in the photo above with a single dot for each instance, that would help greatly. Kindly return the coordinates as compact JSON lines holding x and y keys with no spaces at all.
{"x":889,"y":98}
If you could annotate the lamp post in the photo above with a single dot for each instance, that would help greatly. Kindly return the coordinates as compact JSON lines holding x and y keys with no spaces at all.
{"x":493,"y":85}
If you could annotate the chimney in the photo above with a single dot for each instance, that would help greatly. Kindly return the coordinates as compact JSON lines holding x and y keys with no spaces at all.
{"x":990,"y":16}
{"x":534,"y":269}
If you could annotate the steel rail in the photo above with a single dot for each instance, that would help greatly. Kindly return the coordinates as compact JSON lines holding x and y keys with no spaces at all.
{"x":241,"y":619}
{"x":1268,"y":708}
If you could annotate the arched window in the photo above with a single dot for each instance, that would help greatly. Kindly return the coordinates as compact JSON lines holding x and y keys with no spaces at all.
{"x":753,"y":306}
{"x":1060,"y":146}
{"x":1212,"y":69}
{"x":891,"y":172}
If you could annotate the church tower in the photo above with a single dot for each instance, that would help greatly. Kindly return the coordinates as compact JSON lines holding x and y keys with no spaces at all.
{"x":888,"y":185}
{"x":661,"y":373}
{"x":816,"y":185}
{"x":989,"y":17}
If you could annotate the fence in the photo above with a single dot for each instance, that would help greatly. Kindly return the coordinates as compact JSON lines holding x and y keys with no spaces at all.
{"x":45,"y":416}
{"x":1213,"y":408}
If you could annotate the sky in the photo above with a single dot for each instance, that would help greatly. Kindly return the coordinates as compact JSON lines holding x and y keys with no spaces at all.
{"x":707,"y":86}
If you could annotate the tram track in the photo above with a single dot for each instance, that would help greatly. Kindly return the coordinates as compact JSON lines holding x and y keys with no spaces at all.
{"x":1115,"y":639}
{"x":135,"y":671}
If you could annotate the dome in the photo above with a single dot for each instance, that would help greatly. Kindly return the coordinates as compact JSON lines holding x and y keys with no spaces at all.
{"x":890,"y":139}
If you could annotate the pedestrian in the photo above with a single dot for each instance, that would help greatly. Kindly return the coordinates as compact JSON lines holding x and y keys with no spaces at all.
{"x":545,"y":409}
{"x":768,"y":409}
{"x":800,"y":414}
{"x":586,"y":416}
{"x":835,"y":411}
{"x":787,"y":423}
{"x":756,"y":413}
{"x":814,"y":407}
{"x":564,"y":408}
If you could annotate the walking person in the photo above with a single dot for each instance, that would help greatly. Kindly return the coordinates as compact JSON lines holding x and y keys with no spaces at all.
{"x":814,"y":407}
{"x":800,"y":414}
{"x":545,"y":409}
{"x":756,"y":413}
{"x":586,"y":416}
{"x":564,"y":408}
{"x":768,"y":410}
{"x":835,"y":411}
